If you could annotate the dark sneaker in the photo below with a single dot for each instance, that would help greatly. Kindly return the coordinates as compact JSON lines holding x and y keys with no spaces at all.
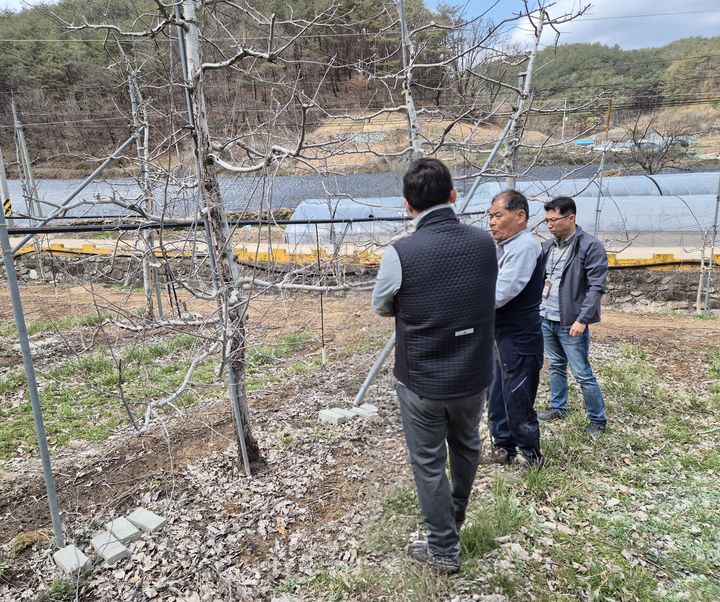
{"x":595,"y":429}
{"x":552,"y":414}
{"x":499,"y":455}
{"x":419,"y":552}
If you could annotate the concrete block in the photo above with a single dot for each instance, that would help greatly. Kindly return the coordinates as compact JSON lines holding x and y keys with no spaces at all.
{"x":147,"y":521}
{"x":109,"y":547}
{"x":332,"y":416}
{"x":71,"y":560}
{"x":363,"y":412}
{"x":369,"y":407}
{"x":347,"y":413}
{"x":123,"y":530}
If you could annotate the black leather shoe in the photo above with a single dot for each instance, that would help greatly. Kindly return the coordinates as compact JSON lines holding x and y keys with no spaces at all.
{"x":552,"y":414}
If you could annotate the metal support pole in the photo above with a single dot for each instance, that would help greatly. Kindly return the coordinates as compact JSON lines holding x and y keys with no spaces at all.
{"x":119,"y":151}
{"x":6,"y":201}
{"x":379,"y":361}
{"x":30,"y":186}
{"x":598,"y":209}
{"x":322,"y":307}
{"x":486,"y":165}
{"x":28,"y":365}
{"x":708,"y":284}
{"x":232,"y":380}
{"x":32,"y":203}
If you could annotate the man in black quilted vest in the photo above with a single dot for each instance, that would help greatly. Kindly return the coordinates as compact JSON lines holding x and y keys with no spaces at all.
{"x":439,"y":283}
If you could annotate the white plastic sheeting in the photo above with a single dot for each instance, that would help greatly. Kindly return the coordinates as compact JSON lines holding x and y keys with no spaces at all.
{"x":344,"y":209}
{"x":640,"y":213}
{"x":656,"y":185}
{"x":628,"y":204}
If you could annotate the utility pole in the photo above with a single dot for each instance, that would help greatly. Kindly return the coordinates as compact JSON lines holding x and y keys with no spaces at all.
{"x":32,"y":388}
{"x":228,"y":270}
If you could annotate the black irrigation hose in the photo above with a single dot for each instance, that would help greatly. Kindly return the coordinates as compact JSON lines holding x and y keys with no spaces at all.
{"x":179,"y":225}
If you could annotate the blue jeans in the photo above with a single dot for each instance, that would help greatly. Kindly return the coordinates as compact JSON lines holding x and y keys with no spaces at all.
{"x":562,"y":349}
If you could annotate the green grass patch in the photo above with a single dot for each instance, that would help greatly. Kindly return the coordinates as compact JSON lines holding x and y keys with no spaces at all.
{"x":631,"y":516}
{"x":487,"y":520}
{"x":35,"y":327}
{"x":81,"y":397}
{"x":633,"y":382}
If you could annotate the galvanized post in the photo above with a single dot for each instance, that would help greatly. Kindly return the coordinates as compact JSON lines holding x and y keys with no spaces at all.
{"x":598,"y":208}
{"x":708,"y":284}
{"x":33,"y":203}
{"x":379,"y":361}
{"x":486,"y":165}
{"x":28,"y":364}
{"x":86,"y":182}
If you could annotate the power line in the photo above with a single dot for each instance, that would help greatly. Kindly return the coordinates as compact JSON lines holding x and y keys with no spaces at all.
{"x":673,"y":14}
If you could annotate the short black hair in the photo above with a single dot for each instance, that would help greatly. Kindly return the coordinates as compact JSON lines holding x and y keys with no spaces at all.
{"x":427,"y":183}
{"x":514,"y":201}
{"x":564,"y":204}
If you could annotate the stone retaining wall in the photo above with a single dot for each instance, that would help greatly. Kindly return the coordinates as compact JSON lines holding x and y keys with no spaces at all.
{"x":676,"y":288}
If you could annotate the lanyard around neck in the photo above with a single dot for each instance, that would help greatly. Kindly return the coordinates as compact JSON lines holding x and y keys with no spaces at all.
{"x":551,"y":273}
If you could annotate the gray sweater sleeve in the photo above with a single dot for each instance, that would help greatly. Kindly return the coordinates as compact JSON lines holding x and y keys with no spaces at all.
{"x":389,"y":280}
{"x":515,"y":267}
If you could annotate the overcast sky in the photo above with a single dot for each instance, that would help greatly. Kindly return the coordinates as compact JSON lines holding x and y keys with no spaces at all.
{"x":629,"y":23}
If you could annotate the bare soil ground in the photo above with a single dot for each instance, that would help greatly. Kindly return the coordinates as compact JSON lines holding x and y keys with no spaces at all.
{"x":231,"y":537}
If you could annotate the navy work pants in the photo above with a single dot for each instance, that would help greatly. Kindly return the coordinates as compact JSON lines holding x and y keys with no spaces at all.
{"x":511,"y":407}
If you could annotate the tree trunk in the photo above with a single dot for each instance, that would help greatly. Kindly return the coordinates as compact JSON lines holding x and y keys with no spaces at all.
{"x":231,"y":301}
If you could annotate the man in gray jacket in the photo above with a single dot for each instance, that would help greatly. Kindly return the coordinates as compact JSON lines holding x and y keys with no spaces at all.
{"x":575,"y":276}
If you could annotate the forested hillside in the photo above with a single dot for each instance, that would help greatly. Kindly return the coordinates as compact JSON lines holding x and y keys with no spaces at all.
{"x":70,"y":82}
{"x":681,"y":73}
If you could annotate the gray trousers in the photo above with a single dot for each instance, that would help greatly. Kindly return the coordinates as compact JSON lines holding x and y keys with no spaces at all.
{"x":432,"y":427}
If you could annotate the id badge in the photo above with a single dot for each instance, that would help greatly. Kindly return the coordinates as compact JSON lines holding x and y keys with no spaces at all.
{"x":546,"y":289}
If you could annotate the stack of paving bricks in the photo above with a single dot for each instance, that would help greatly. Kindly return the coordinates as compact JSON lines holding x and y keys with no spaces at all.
{"x":340,"y":415}
{"x":110,"y":544}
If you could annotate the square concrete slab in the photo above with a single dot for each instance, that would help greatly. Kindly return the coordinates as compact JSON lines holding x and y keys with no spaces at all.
{"x":332,"y":416}
{"x":147,"y":521}
{"x":71,"y":560}
{"x":347,"y":413}
{"x":369,"y":407}
{"x":360,"y":411}
{"x":123,"y":530}
{"x":109,"y":547}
